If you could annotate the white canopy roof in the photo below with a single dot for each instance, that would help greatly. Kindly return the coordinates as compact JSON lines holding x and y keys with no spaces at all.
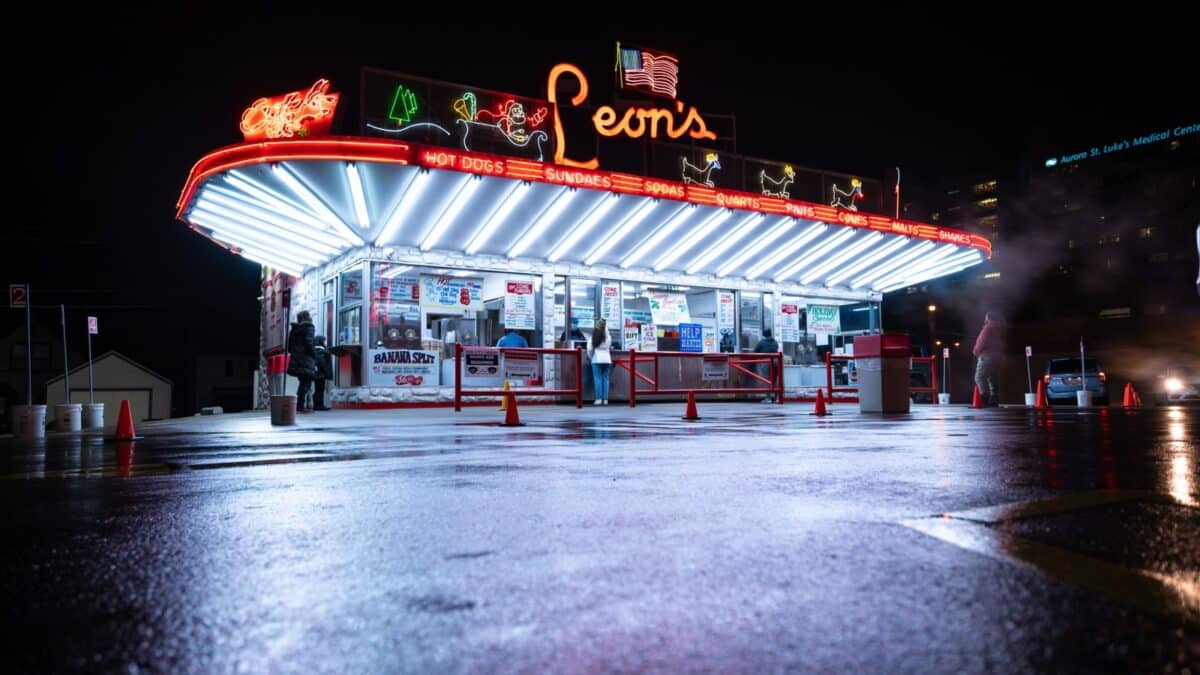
{"x":293,"y":205}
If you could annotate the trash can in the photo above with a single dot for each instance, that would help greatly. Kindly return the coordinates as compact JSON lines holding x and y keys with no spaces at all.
{"x":283,"y":410}
{"x":29,"y":421}
{"x":883,"y":365}
{"x":68,"y":416}
{"x":93,"y":415}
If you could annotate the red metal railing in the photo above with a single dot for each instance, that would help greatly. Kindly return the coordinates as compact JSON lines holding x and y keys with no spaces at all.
{"x":772,"y":383}
{"x":577,"y":354}
{"x":829,"y":388}
{"x":933,"y":377}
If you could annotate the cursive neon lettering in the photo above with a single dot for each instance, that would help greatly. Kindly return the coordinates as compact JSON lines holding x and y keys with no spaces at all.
{"x":608,"y":122}
{"x":560,"y":140}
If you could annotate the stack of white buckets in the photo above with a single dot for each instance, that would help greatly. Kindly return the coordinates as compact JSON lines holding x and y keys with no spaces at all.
{"x":29,"y":421}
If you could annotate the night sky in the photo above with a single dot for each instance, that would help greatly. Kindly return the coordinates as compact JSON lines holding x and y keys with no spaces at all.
{"x":114,"y":136}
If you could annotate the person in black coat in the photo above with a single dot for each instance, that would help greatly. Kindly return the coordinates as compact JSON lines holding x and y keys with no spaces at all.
{"x":767,"y":345}
{"x":303,"y":364}
{"x":324,"y":372}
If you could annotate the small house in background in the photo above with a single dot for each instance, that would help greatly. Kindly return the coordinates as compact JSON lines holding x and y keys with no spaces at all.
{"x":116,"y":377}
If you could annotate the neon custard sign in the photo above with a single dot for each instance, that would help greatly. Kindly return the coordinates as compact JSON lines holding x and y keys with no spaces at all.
{"x":634,"y":123}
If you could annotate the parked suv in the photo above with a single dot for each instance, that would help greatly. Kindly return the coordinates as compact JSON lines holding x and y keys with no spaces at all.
{"x":1063,"y":380}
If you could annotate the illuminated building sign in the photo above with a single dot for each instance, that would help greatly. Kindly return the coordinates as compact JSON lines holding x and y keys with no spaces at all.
{"x":634,"y":122}
{"x":438,"y":113}
{"x":648,"y":71}
{"x":1123,"y":144}
{"x":299,"y":114}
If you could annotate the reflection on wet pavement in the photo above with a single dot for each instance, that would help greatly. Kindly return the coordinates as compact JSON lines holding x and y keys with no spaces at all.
{"x":610,"y":540}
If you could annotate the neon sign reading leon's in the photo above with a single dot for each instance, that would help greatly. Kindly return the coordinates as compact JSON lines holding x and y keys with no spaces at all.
{"x":634,"y":123}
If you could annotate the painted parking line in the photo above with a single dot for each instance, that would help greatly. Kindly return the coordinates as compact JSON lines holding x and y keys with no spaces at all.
{"x":106,"y":471}
{"x":1173,"y":596}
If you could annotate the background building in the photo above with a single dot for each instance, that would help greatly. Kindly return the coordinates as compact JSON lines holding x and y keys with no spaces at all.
{"x":116,"y":377}
{"x":1097,"y":243}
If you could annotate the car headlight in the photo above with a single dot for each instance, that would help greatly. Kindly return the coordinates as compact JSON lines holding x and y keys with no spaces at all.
{"x":1173,"y":384}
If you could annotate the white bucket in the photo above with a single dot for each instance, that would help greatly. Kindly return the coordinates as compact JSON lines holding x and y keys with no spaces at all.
{"x":93,"y":415}
{"x":944,"y":398}
{"x":1083,"y":398}
{"x":29,"y":421}
{"x":1030,"y":400}
{"x":283,"y":410}
{"x":68,"y":417}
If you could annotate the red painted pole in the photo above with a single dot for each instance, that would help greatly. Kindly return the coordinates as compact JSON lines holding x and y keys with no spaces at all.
{"x":829,"y":375}
{"x":578,"y":377}
{"x":779,"y":374}
{"x":457,"y":377}
{"x":633,"y":378}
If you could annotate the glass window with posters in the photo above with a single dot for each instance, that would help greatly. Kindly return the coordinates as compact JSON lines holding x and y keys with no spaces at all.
{"x":582,"y":310}
{"x":750,"y":312}
{"x":395,"y":311}
{"x":328,"y":291}
{"x":350,"y":294}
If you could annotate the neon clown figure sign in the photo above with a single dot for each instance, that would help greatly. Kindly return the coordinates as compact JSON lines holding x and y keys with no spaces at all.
{"x":634,"y":122}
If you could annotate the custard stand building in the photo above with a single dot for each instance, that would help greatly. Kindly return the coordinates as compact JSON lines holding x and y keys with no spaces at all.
{"x":457,"y":214}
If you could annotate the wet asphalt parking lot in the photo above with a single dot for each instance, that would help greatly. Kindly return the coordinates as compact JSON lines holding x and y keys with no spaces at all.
{"x":758,"y":539}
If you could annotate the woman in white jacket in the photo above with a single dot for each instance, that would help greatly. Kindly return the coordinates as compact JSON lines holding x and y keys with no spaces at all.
{"x":600,"y":354}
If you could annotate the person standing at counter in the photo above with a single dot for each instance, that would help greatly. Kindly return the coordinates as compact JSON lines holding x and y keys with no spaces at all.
{"x":303,"y":362}
{"x":600,"y":354}
{"x":324,"y":372}
{"x":512,"y":339}
{"x":767,"y":345}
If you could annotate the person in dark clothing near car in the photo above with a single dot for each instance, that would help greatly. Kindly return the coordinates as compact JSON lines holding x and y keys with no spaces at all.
{"x":767,"y":345}
{"x":989,"y":350}
{"x":324,"y":372}
{"x":303,"y":363}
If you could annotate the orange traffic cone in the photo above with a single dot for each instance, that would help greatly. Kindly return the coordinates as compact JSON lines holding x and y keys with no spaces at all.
{"x":504,"y":398}
{"x":1041,"y":401}
{"x":125,"y":424}
{"x":976,"y":399}
{"x":1128,"y":400}
{"x":691,"y":415}
{"x":511,"y":417}
{"x":1137,"y":399}
{"x":819,"y":407}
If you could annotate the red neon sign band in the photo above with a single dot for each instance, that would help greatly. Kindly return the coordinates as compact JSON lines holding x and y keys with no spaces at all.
{"x":381,"y":150}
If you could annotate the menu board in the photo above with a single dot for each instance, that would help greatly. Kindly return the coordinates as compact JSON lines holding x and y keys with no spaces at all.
{"x":724,"y":312}
{"x":451,"y":293}
{"x":610,"y":304}
{"x":789,"y":322}
{"x":399,"y":288}
{"x":519,"y":306}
